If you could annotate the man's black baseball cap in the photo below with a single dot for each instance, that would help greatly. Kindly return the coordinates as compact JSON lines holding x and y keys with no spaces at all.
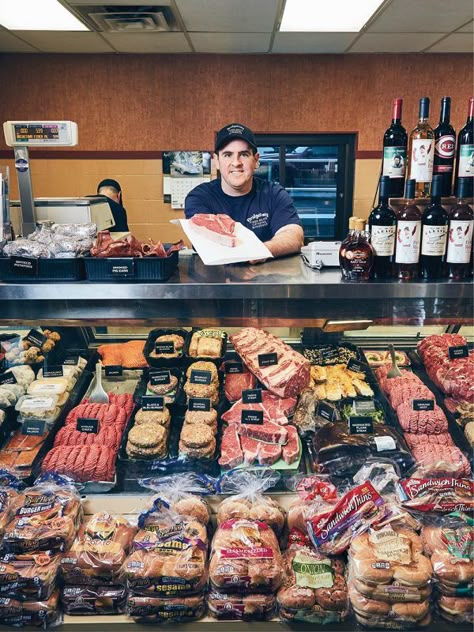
{"x":234,"y":131}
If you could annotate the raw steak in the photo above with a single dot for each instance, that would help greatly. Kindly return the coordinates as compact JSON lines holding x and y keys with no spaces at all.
{"x":235,"y":383}
{"x":218,"y":228}
{"x":264,"y":453}
{"x":231,"y":452}
{"x":274,"y":409}
{"x":291,"y":450}
{"x":268,"y":433}
{"x":288,"y":377}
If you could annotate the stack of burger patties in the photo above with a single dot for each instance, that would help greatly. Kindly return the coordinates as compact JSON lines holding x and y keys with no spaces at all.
{"x":390,"y":579}
{"x":148,"y":437}
{"x":91,"y":568}
{"x":166,"y":389}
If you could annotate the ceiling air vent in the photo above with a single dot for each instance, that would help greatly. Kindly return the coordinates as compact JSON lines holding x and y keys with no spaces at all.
{"x":126,"y":19}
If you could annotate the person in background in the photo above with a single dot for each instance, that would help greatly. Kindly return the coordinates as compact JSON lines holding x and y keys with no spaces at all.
{"x":263,"y":207}
{"x":112,"y":191}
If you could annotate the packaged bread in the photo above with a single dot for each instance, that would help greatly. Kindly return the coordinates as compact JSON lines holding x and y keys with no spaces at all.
{"x":83,"y":600}
{"x":456,"y":610}
{"x":29,"y":576}
{"x":9,"y":489}
{"x":157,"y":609}
{"x":229,"y":607}
{"x":316,"y":494}
{"x":99,"y":550}
{"x":207,"y":343}
{"x":45,"y":613}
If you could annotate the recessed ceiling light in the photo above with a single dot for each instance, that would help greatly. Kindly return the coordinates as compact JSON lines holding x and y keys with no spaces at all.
{"x":338,"y":16}
{"x":38,"y":15}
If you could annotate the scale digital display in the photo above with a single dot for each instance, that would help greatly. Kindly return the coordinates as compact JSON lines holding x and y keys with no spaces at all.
{"x":25,"y":133}
{"x":40,"y":133}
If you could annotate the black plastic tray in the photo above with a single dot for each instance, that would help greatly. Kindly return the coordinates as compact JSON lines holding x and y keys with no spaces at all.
{"x":165,"y":362}
{"x":180,"y":398}
{"x":48,"y":270}
{"x":147,"y":269}
{"x":217,"y":361}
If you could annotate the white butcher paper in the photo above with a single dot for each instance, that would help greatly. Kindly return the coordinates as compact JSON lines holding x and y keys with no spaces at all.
{"x":249,"y":246}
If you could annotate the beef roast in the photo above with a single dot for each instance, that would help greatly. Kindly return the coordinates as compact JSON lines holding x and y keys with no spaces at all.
{"x":264,"y":453}
{"x":218,"y":228}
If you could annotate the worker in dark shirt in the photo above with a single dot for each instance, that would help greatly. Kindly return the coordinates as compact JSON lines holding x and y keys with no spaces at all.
{"x":112,"y":191}
{"x":263,"y":207}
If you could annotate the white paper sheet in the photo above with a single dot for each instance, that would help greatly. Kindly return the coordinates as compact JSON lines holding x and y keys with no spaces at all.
{"x":249,"y":246}
{"x":180,"y":187}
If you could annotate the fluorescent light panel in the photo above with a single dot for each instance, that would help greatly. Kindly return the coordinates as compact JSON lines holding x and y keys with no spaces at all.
{"x":338,"y":16}
{"x":38,"y":15}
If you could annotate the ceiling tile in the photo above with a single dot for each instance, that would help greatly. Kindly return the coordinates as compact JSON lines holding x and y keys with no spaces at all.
{"x":231,"y":42}
{"x":455,"y":43}
{"x":229,"y":16}
{"x":66,"y":42}
{"x":312,"y":42}
{"x":467,"y":28}
{"x":394,"y":42}
{"x":148,"y":42}
{"x":423,"y":16}
{"x":11,"y":44}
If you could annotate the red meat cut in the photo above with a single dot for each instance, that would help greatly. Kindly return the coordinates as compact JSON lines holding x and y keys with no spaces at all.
{"x":291,"y":450}
{"x":275,"y":409}
{"x":269,"y":433}
{"x":264,"y":453}
{"x":231,"y":451}
{"x":218,"y":228}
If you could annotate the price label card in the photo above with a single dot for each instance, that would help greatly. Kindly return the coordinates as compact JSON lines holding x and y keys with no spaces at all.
{"x":364,"y":406}
{"x":252,"y":396}
{"x":326,"y":411}
{"x":329,"y":354}
{"x":159,"y":377}
{"x":121,"y":268}
{"x":26,"y":266}
{"x":164,"y":347}
{"x":361,"y":425}
{"x":87,"y":424}
{"x":234,"y":367}
{"x":152,"y":402}
{"x":114,"y":370}
{"x":423,"y":404}
{"x":72,"y":361}
{"x":36,"y":338}
{"x":7,"y":378}
{"x":462,"y":351}
{"x":358,"y":367}
{"x":267,"y":359}
{"x":33,"y":427}
{"x":199,"y":403}
{"x":200,"y":377}
{"x":53,"y":370}
{"x":252,"y":417}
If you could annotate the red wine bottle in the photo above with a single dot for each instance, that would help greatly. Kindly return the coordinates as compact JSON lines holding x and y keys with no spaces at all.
{"x":408,"y":239}
{"x":461,"y":221}
{"x":465,"y":148}
{"x":434,"y":234}
{"x":382,"y":223}
{"x":445,"y":141}
{"x":395,"y":151}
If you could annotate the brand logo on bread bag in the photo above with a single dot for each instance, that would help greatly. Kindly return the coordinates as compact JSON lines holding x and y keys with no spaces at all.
{"x":414,"y":487}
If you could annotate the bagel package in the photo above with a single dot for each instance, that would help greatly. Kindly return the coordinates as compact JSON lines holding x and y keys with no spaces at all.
{"x":156,"y":609}
{"x":99,"y":550}
{"x":314,"y":588}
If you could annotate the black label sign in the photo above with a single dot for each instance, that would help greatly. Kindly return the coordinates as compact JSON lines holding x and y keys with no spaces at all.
{"x":267,"y":359}
{"x":160,"y":377}
{"x":153,"y":402}
{"x":199,"y":403}
{"x":72,"y":361}
{"x":114,"y":370}
{"x":252,"y":417}
{"x":164,"y":347}
{"x":326,"y":411}
{"x":86,"y":424}
{"x":364,"y":406}
{"x":33,"y":427}
{"x":423,"y":404}
{"x":361,"y":425}
{"x":7,"y":378}
{"x":234,"y":367}
{"x":36,"y":338}
{"x":358,"y":367}
{"x":27,"y":266}
{"x":462,"y":351}
{"x":252,"y":396}
{"x":200,"y":377}
{"x":329,"y":354}
{"x":53,"y":370}
{"x":121,"y":268}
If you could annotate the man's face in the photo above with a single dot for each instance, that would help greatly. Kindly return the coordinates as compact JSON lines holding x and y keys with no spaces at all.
{"x":237,"y":164}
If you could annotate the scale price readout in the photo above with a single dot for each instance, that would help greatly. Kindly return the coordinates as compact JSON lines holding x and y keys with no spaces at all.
{"x":43,"y":133}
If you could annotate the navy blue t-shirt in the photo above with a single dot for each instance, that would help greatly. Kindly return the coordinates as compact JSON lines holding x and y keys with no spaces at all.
{"x":264,"y":210}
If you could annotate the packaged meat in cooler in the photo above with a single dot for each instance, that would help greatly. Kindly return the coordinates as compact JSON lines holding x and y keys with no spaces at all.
{"x":93,"y":600}
{"x":229,"y":607}
{"x":437,"y":456}
{"x":421,"y":421}
{"x":45,"y":613}
{"x":129,"y":354}
{"x":29,"y":576}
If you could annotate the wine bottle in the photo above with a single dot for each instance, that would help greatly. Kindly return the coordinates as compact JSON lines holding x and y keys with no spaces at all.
{"x":461,"y":221}
{"x":382,"y":225}
{"x":395,"y":151}
{"x":445,"y":141}
{"x":434,"y":233}
{"x":408,"y":240}
{"x":421,"y":152}
{"x":465,"y":148}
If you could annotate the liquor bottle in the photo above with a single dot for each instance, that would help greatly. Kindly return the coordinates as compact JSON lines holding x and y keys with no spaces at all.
{"x":382,"y":225}
{"x":408,"y":240}
{"x":421,"y":152}
{"x":445,"y":141}
{"x":434,"y":233}
{"x":465,"y":148}
{"x":395,"y":151}
{"x":346,"y":241}
{"x":461,"y":221}
{"x":359,"y":256}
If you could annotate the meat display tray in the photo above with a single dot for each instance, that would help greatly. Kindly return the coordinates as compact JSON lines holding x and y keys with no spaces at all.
{"x":158,"y":362}
{"x":131,"y":269}
{"x":47,"y":270}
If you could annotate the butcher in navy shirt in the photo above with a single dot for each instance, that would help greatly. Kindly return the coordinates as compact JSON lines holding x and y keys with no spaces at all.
{"x":263,"y":207}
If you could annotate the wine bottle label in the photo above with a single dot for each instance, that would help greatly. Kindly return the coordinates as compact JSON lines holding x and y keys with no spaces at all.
{"x":394,"y":161}
{"x":444,"y":154}
{"x":466,"y":161}
{"x":408,"y":242}
{"x":433,"y":243}
{"x":460,"y":241}
{"x":382,"y":239}
{"x":421,"y":159}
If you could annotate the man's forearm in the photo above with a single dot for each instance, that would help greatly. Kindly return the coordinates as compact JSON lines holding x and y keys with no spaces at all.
{"x":286,"y":241}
